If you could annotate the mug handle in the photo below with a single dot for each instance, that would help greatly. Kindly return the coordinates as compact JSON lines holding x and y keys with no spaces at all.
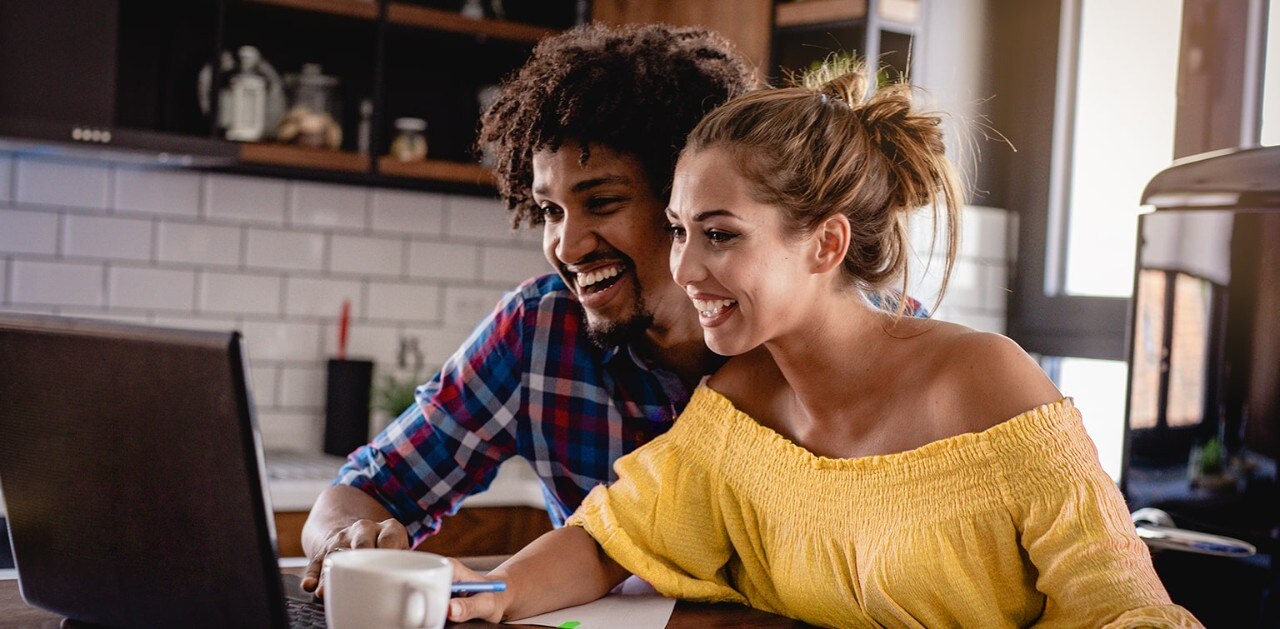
{"x":415,"y":607}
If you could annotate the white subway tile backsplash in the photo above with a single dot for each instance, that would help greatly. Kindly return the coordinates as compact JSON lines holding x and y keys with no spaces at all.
{"x":154,"y":289}
{"x":56,"y":283}
{"x":465,"y":307}
{"x":407,"y":212}
{"x":975,"y":319}
{"x":265,"y":379}
{"x":277,"y":249}
{"x":302,"y":387}
{"x":482,"y":218}
{"x":512,"y":266}
{"x":67,"y":184}
{"x":995,"y":296}
{"x":28,"y":232}
{"x":106,"y":237}
{"x":984,"y":233}
{"x":321,"y":297}
{"x":247,"y":199}
{"x":240,"y":293}
{"x":278,"y":340}
{"x":968,"y":279}
{"x":365,"y":341}
{"x":158,"y":190}
{"x":294,"y":431}
{"x":6,"y":187}
{"x":443,"y":260}
{"x":403,"y":301}
{"x":367,"y":255}
{"x":329,"y":205}
{"x":198,"y":244}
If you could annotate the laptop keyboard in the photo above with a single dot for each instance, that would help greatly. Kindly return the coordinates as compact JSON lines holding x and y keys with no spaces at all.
{"x":305,"y":614}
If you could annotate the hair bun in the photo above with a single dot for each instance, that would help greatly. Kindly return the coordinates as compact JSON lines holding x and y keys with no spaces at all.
{"x":841,"y":78}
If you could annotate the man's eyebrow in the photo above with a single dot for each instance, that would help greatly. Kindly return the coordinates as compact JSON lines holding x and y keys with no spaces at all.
{"x":587,"y":184}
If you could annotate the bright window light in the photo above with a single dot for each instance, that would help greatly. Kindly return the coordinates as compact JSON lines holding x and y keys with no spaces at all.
{"x":1125,"y":104}
{"x":1271,"y":80}
{"x":1098,"y":389}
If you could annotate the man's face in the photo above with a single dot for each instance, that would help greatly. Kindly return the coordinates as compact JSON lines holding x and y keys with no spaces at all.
{"x":604,"y":232}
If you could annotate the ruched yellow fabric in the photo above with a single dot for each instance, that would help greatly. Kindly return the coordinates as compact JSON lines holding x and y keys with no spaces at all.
{"x":1013,"y":526}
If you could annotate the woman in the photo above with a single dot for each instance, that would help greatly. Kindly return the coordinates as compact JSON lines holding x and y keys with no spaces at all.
{"x":847,"y":467}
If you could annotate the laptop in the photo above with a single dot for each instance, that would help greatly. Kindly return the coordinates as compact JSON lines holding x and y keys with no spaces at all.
{"x":132,"y":472}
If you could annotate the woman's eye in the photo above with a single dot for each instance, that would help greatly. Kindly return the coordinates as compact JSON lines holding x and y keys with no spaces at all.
{"x":676,"y":231}
{"x":720,"y":237}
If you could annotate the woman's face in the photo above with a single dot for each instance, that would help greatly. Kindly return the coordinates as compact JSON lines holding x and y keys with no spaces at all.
{"x":748,"y":278}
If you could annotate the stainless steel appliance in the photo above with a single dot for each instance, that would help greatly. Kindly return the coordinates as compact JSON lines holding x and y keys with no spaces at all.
{"x":1202,"y":434}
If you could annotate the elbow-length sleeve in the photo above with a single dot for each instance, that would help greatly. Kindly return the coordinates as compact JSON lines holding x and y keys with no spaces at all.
{"x":661,"y":519}
{"x":1091,"y":565}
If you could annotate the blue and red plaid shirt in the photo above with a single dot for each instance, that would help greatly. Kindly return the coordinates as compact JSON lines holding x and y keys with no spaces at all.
{"x":527,"y":383}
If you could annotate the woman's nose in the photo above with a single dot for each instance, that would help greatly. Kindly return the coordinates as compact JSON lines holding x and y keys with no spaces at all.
{"x":685,"y":266}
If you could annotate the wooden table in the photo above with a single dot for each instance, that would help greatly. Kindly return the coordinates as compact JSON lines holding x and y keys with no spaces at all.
{"x":14,"y":612}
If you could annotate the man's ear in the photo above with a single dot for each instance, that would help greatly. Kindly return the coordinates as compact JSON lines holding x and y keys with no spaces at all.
{"x":831,"y":242}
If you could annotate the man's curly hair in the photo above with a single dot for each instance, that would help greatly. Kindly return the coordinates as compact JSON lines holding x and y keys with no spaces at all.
{"x":638,"y":90}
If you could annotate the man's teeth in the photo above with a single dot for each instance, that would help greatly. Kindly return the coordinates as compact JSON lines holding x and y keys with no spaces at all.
{"x":598,"y":275}
{"x":711,"y":308}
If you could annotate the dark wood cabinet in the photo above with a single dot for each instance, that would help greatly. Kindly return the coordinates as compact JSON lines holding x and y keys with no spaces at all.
{"x":121,"y":76}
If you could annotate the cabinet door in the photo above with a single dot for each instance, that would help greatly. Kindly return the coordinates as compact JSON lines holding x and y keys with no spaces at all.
{"x":58,"y":60}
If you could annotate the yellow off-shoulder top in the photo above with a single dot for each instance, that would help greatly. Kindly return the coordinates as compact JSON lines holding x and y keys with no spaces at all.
{"x":1013,"y":526}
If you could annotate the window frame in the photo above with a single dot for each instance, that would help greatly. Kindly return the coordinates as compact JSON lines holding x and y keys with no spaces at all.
{"x":1220,"y":70}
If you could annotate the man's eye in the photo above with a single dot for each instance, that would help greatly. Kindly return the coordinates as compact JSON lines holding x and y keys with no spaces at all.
{"x":550,"y":212}
{"x":720,"y":237}
{"x":596,"y":204}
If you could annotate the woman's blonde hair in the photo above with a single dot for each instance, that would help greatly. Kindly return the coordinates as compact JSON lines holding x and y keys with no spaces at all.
{"x":837,"y":143}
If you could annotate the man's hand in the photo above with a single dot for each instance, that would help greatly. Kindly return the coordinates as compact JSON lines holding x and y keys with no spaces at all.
{"x":489,"y":607}
{"x":388,"y":533}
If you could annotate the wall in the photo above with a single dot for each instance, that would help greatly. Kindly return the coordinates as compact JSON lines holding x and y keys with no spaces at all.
{"x":275,"y":259}
{"x":270,"y":257}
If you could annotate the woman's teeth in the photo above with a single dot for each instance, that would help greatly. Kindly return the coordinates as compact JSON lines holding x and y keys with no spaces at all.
{"x":599,"y":275}
{"x":711,"y":308}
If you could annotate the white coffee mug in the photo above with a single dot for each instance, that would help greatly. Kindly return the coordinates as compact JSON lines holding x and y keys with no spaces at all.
{"x":380,"y":587}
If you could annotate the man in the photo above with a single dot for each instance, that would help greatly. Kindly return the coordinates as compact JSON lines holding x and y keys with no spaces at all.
{"x":574,"y":369}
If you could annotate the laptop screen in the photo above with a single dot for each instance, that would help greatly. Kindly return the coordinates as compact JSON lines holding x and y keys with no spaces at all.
{"x":131,"y":472}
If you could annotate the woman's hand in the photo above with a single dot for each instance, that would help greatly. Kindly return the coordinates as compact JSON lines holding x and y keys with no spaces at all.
{"x":486,"y":606}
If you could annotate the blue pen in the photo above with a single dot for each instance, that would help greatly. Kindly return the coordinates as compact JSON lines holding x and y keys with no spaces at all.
{"x":476,"y":587}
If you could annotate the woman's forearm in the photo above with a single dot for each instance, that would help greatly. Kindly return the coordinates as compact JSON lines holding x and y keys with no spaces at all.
{"x":563,"y":568}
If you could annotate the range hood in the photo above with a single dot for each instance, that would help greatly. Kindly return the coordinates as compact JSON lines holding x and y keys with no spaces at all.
{"x":107,"y":80}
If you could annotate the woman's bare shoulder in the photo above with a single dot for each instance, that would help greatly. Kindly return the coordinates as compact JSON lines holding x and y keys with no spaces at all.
{"x":983,"y":379}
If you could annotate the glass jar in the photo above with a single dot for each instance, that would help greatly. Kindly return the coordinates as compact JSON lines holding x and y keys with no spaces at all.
{"x":312,"y":119}
{"x":410,"y":143}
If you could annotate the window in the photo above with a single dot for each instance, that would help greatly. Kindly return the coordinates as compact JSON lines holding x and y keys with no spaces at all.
{"x":1271,"y":79}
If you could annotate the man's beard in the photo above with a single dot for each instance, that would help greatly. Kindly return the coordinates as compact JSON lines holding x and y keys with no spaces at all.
{"x":610,"y":334}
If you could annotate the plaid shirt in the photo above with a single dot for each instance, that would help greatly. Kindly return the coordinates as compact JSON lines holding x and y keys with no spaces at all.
{"x":526,"y":383}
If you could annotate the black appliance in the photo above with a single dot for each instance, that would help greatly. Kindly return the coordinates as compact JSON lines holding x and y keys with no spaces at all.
{"x":1202,"y":434}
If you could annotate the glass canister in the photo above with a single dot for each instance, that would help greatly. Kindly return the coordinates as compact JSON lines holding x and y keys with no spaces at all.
{"x":410,"y":143}
{"x":312,"y":119}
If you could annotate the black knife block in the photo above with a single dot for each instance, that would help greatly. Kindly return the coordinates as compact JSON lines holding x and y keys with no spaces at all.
{"x":346,"y":405}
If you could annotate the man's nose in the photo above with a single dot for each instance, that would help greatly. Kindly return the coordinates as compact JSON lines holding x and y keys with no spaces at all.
{"x":576,"y":239}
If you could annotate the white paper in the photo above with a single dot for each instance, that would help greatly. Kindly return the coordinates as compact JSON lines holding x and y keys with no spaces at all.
{"x":632,"y":605}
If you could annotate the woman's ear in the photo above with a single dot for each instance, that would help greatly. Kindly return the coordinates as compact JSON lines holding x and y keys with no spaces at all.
{"x":832,"y":243}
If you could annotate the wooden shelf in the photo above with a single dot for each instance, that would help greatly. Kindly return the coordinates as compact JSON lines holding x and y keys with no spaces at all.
{"x":807,"y":12}
{"x":436,"y":170}
{"x":435,"y":19}
{"x":361,"y":9}
{"x":299,"y":157}
{"x":813,"y":12}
